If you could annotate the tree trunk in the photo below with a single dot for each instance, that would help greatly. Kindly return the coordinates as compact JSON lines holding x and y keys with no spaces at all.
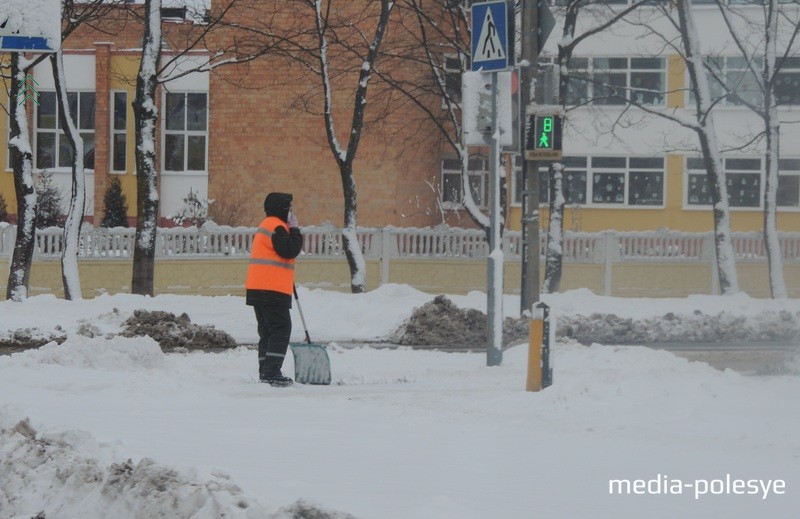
{"x":345,"y":157}
{"x":352,"y":248}
{"x":555,"y":231}
{"x":145,"y":117}
{"x":554,"y":256}
{"x":777,"y":283}
{"x":723,"y":243}
{"x":72,"y":227}
{"x":22,"y":159}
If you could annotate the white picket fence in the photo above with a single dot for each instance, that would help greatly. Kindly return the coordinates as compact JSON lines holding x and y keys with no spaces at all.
{"x":392,"y":242}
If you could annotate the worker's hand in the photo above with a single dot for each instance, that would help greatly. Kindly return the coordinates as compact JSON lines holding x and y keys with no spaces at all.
{"x":292,"y":220}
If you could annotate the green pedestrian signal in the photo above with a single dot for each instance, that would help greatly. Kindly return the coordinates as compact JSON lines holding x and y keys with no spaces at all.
{"x":543,"y":137}
{"x":545,"y":132}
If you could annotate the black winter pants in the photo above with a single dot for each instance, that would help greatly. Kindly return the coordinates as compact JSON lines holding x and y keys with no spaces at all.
{"x":274,"y":329}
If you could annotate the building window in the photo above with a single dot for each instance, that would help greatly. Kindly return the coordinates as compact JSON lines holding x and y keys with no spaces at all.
{"x":478,"y":174}
{"x":605,"y":81}
{"x":52,"y":148}
{"x":787,"y":82}
{"x":698,"y":191}
{"x":543,"y":181}
{"x":119,"y":132}
{"x":646,"y":181}
{"x":736,"y":84}
{"x":608,"y":180}
{"x":630,"y":181}
{"x":789,"y":183}
{"x":185,"y":131}
{"x":744,"y":179}
{"x":573,"y":180}
{"x":453,"y":67}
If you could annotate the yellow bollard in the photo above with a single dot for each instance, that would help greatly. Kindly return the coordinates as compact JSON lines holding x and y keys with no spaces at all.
{"x":534,"y":382}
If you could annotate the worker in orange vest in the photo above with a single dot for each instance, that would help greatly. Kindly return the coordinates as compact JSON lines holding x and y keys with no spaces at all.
{"x":270,"y":283}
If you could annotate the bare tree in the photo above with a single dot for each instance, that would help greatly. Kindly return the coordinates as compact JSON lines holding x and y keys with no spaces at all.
{"x":22,"y":160}
{"x":145,"y":114}
{"x":433,"y":38}
{"x":72,"y":226}
{"x":73,"y":16}
{"x":760,"y":44}
{"x":342,"y":45}
{"x":609,"y":17}
{"x":703,"y":125}
{"x":241,"y":43}
{"x":681,"y":36}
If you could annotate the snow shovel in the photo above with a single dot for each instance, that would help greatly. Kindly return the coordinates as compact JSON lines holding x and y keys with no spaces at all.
{"x":311,"y":362}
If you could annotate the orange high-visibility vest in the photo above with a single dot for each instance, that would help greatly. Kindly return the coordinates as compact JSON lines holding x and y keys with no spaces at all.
{"x":267,"y":270}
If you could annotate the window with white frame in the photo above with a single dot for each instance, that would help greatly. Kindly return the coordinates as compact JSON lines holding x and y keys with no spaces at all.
{"x":573,"y":181}
{"x":735,"y":81}
{"x":698,"y":191}
{"x":119,"y":131}
{"x":744,"y":181}
{"x":787,"y":82}
{"x":630,"y":181}
{"x":743,"y":177}
{"x":185,"y":131}
{"x":453,"y":68}
{"x":789,"y":183}
{"x":478,"y":174}
{"x":52,"y":147}
{"x":516,"y":187}
{"x":610,"y":80}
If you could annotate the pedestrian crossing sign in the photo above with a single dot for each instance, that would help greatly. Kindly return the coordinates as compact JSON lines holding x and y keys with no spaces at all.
{"x":489,"y":36}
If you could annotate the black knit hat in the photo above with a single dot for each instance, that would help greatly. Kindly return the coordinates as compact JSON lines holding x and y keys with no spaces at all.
{"x":278,"y":204}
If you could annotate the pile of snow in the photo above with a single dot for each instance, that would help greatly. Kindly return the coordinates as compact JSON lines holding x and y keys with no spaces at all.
{"x":697,"y":327}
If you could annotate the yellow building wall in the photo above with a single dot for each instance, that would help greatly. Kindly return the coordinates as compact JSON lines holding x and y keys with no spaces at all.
{"x":124,"y":69}
{"x":675,"y":81}
{"x":6,"y":177}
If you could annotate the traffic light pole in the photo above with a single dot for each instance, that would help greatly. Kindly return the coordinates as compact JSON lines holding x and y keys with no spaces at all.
{"x":529,"y":291}
{"x":494,"y":353}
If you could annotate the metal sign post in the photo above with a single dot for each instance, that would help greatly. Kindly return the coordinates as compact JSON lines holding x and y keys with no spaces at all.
{"x":490,"y":53}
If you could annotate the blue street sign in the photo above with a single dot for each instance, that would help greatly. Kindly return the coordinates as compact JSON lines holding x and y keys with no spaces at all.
{"x":489,"y":36}
{"x":24,"y":44}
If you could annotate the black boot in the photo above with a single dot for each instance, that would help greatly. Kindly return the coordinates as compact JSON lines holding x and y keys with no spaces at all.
{"x":275,"y":378}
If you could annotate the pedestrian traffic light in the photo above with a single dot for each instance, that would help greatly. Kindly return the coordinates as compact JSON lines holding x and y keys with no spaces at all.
{"x":544,"y":137}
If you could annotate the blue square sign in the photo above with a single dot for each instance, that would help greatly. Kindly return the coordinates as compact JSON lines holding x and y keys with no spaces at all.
{"x":489,"y":36}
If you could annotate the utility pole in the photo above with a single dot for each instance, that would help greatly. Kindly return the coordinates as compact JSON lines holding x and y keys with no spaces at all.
{"x":529,"y":291}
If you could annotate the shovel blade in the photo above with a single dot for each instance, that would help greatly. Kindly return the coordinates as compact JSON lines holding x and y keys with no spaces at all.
{"x":311,"y":364}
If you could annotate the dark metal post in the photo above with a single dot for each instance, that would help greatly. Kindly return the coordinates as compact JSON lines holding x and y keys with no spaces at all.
{"x":529,"y":291}
{"x":547,"y":371}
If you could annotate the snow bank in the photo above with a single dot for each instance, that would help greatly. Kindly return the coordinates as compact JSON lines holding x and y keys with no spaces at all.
{"x":71,"y":475}
{"x":119,"y":354}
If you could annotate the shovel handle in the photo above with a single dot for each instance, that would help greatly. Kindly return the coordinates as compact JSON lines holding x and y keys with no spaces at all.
{"x":302,"y":318}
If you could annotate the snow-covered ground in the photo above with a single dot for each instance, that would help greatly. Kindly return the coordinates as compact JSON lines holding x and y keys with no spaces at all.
{"x":119,"y":429}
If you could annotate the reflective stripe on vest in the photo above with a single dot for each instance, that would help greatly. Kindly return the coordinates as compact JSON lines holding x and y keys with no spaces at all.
{"x":268,"y":270}
{"x":280,"y":264}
